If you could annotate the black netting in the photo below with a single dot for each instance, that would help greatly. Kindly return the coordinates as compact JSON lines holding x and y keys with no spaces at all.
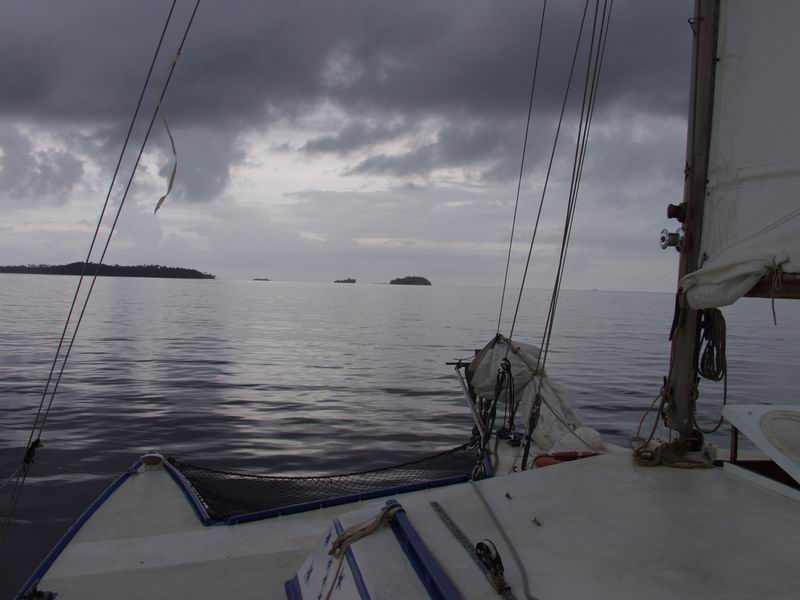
{"x":225,"y":494}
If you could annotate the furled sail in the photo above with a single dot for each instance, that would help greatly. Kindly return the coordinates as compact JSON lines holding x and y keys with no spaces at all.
{"x":751,"y":217}
{"x":559,"y":426}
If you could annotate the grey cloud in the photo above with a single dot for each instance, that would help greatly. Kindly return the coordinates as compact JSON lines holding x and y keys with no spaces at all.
{"x":248,"y":64}
{"x":400,"y":92}
{"x":205,"y":157}
{"x":431,"y":214}
{"x":34,"y":175}
{"x":459,"y":143}
{"x":355,"y":136}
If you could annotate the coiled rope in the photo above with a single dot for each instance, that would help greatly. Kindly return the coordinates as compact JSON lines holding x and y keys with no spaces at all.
{"x":713,"y":363}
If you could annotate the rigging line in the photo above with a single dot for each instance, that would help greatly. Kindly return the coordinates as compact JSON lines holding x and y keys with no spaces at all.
{"x":102,"y":214}
{"x":10,"y":477}
{"x":21,"y":480}
{"x":119,"y":210}
{"x":522,"y":164}
{"x":587,"y":109}
{"x":549,"y":170}
{"x":577,"y":174}
{"x":579,"y":140}
{"x":94,"y":240}
{"x":593,"y":102}
{"x":581,"y":148}
{"x":580,"y":154}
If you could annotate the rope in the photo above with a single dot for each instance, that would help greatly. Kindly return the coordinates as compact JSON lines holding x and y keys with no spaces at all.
{"x":713,"y":364}
{"x":40,"y":424}
{"x":522,"y":165}
{"x":637,"y":438}
{"x":670,"y":454}
{"x":354,"y":533}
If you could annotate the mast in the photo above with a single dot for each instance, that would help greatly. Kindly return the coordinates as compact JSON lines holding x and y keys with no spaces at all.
{"x":681,"y":383}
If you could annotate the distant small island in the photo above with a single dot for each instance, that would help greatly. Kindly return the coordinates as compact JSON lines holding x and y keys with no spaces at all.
{"x":410,"y":280}
{"x":109,"y":270}
{"x":260,"y":279}
{"x":347,"y":280}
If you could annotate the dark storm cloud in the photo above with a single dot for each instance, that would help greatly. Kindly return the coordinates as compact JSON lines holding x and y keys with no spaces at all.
{"x":246,"y":65}
{"x":489,"y":148}
{"x":205,"y":156}
{"x":454,"y":146}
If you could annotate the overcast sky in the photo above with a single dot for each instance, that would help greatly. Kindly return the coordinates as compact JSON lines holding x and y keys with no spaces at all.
{"x":318,"y":140}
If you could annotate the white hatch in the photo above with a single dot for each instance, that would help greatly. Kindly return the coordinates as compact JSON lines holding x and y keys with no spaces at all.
{"x":775,"y":430}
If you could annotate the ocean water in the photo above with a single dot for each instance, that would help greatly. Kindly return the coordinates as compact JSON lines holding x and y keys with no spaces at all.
{"x":311,"y":377}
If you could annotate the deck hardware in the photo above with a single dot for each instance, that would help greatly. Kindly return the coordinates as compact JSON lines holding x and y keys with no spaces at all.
{"x":490,"y":557}
{"x":504,"y":590}
{"x":153,"y":460}
{"x":676,"y":240}
{"x":677,"y":211}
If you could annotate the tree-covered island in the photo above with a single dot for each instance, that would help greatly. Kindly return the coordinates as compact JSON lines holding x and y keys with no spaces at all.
{"x":410,"y":280}
{"x":76,"y":268}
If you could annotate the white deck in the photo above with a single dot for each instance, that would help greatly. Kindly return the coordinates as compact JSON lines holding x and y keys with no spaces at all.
{"x":609,"y":529}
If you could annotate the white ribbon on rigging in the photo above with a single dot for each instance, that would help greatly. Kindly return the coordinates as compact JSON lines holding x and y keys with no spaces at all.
{"x":174,"y":164}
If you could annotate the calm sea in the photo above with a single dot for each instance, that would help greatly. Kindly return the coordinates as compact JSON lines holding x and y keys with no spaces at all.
{"x":309,"y":377}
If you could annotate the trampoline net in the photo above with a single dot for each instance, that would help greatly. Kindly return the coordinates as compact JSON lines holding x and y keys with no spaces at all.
{"x":226,"y":494}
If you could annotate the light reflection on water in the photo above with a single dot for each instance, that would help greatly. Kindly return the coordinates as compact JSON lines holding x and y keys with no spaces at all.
{"x":306,"y":378}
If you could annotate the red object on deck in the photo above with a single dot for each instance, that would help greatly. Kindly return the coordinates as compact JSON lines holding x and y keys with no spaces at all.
{"x":545,"y":460}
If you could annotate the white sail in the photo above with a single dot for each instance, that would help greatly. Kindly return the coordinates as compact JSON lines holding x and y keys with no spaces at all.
{"x":751,"y":220}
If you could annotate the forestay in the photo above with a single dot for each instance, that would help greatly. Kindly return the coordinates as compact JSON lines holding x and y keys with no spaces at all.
{"x":751,"y":220}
